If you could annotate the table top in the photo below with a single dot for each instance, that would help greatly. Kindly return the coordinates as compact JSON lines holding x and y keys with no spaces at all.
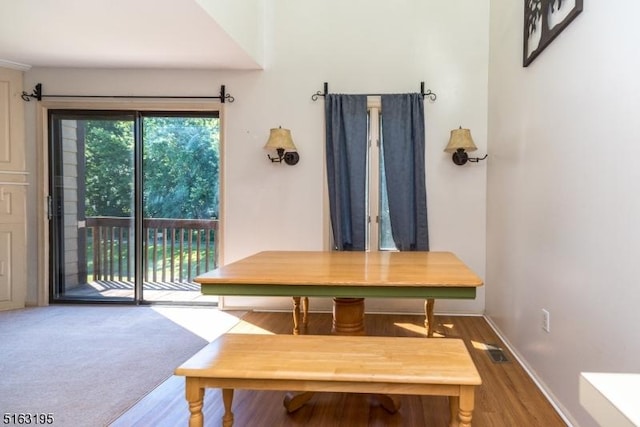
{"x":344,"y":274}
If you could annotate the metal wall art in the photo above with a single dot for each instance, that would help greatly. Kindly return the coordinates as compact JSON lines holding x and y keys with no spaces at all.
{"x":543,"y":21}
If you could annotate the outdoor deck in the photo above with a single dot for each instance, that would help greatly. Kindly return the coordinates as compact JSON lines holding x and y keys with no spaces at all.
{"x":153,"y":291}
{"x":174,"y":252}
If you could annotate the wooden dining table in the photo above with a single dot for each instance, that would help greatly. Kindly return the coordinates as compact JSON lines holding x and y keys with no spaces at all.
{"x":346,"y":276}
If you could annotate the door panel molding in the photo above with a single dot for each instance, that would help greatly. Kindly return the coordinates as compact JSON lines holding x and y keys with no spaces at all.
{"x":13,"y":186}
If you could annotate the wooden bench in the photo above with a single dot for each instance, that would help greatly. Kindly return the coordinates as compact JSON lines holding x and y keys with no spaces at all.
{"x":329,"y":363}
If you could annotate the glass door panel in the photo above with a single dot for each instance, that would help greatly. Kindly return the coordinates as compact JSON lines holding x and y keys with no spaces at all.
{"x":92,"y":206}
{"x":180,"y":204}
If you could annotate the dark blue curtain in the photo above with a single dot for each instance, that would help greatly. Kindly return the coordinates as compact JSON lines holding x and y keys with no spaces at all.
{"x":346,"y":123}
{"x":403,"y":149}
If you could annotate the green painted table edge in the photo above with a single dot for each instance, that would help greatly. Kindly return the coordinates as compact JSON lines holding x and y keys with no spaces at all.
{"x":339,"y":291}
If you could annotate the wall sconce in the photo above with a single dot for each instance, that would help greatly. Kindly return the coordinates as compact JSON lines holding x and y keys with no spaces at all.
{"x":460,"y":142}
{"x":280,"y":140}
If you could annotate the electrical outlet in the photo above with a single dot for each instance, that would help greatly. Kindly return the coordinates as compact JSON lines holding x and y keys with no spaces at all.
{"x":546,"y":321}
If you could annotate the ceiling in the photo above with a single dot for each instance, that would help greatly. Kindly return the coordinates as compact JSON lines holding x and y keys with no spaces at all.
{"x":115,"y":34}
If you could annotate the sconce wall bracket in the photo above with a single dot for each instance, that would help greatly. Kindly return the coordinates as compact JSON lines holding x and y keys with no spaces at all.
{"x":290,"y":157}
{"x":460,"y":157}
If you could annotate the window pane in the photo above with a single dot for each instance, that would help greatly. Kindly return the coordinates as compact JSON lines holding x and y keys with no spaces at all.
{"x":385,"y":238}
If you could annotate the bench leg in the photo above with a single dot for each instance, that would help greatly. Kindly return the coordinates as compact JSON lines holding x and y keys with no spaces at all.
{"x":227,"y":400}
{"x":461,"y":407}
{"x":195,"y":395}
{"x":429,"y":320}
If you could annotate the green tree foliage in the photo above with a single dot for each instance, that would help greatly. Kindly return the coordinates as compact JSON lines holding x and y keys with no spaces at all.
{"x":180,"y":167}
{"x":109,"y":167}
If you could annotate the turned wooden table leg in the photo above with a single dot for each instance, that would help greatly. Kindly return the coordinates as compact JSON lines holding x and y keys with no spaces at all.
{"x":195,"y":395}
{"x":429,"y":320}
{"x":296,"y":315}
{"x":305,"y":312}
{"x":227,"y":399}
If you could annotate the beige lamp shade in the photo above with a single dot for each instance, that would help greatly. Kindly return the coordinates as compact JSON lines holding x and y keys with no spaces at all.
{"x":280,"y":138}
{"x":460,"y":138}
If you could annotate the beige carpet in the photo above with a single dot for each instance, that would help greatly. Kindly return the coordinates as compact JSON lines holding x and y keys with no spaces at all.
{"x":87,"y":364}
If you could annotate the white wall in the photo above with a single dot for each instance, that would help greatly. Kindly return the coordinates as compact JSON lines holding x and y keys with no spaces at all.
{"x":563,"y":200}
{"x":243,"y":21}
{"x":357,"y":46}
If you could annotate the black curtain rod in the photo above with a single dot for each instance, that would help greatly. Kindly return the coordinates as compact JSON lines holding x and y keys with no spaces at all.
{"x":37,"y":94}
{"x":428,"y":94}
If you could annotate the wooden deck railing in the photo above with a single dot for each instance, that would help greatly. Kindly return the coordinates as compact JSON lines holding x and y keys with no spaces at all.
{"x":174,"y":250}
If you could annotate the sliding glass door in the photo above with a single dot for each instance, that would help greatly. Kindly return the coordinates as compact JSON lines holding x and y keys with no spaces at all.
{"x":180,"y":176}
{"x":134,"y":205}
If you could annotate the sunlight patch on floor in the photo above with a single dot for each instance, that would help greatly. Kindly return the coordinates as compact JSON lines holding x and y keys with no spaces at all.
{"x":481,"y":346}
{"x":206,"y":322}
{"x":244,"y":327}
{"x":411,"y":327}
{"x":422,"y":330}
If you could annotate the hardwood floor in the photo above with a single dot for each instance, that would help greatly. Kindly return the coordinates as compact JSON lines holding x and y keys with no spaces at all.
{"x":507,"y":397}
